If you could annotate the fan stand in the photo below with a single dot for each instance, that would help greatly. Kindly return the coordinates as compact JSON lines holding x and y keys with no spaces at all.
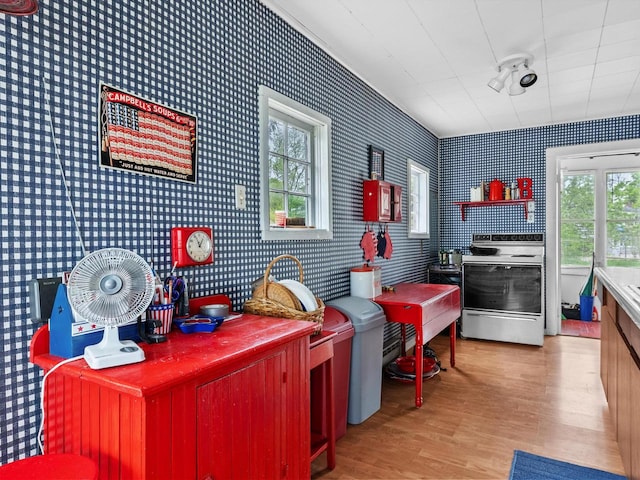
{"x":111,"y":351}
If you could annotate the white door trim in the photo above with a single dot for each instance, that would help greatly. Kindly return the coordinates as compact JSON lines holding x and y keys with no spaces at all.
{"x":554,"y":157}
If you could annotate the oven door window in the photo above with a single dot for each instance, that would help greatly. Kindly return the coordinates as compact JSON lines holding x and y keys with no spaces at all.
{"x":511,"y":288}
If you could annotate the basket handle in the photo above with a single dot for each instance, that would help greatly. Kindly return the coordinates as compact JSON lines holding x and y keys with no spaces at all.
{"x":272,"y":263}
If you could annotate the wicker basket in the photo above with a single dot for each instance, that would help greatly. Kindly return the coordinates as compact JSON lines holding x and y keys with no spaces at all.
{"x":272,"y":299}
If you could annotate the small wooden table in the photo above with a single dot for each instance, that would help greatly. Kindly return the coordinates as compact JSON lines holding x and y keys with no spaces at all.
{"x":429,"y":308}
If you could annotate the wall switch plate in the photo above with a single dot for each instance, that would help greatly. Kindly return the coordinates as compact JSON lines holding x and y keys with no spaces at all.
{"x":241,"y":197}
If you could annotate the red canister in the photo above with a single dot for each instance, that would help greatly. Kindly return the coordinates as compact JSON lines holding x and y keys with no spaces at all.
{"x":496,"y":190}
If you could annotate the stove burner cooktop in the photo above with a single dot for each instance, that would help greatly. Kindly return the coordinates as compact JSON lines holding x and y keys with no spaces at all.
{"x":506,"y":248}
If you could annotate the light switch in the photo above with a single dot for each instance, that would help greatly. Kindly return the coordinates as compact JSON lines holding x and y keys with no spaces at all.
{"x":241,"y":197}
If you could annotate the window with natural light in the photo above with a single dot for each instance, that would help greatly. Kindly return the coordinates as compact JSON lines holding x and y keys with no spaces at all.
{"x":295,"y":160}
{"x":623,"y":219}
{"x":577,"y":224}
{"x":418,"y":200}
{"x":585,"y":207}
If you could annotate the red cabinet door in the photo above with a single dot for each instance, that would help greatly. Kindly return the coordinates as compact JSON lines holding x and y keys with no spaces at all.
{"x":397,"y":203}
{"x":241,"y":423}
{"x":378,"y":201}
{"x":248,"y":427}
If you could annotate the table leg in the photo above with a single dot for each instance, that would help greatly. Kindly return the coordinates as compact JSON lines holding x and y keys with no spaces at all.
{"x":331,"y":432}
{"x":452,"y":343}
{"x":403,"y":336}
{"x":419,"y":365}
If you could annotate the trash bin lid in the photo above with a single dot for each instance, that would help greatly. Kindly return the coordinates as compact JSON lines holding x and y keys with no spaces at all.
{"x":335,"y":321}
{"x":364,"y":313}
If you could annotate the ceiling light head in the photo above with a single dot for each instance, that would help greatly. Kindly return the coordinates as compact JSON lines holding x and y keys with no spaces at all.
{"x":497,"y":83}
{"x":522,"y":76}
{"x":527,"y":76}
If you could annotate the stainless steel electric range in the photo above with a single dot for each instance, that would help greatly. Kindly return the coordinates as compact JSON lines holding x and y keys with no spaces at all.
{"x":503,"y":288}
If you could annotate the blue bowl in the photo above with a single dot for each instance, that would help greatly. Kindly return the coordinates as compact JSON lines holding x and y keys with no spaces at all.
{"x":198,"y":323}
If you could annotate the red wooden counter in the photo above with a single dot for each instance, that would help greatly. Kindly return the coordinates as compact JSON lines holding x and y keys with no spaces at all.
{"x":429,"y":308}
{"x":232,"y":403}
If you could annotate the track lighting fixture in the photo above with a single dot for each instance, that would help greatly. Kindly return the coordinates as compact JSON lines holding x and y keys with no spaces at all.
{"x":516,"y":66}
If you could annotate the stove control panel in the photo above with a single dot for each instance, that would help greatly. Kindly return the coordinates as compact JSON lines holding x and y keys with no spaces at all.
{"x":525,"y":238}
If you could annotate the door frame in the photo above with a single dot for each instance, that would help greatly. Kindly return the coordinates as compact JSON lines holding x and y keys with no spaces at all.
{"x":554,"y":157}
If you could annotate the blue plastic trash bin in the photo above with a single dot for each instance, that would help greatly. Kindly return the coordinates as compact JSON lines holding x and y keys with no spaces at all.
{"x":586,"y":307}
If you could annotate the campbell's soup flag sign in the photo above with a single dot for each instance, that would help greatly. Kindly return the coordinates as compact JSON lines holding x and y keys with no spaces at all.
{"x":145,"y":137}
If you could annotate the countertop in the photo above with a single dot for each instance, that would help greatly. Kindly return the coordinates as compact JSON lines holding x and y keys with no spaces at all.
{"x":187,"y":356}
{"x":622,"y":283}
{"x":618,"y":281}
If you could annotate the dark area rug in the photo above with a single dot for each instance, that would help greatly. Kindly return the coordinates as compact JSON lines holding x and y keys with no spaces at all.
{"x":527,"y":466}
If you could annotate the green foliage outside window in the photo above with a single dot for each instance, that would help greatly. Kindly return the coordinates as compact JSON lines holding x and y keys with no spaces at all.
{"x":578,"y":223}
{"x":623,"y":219}
{"x":289,"y":170}
{"x":578,"y":219}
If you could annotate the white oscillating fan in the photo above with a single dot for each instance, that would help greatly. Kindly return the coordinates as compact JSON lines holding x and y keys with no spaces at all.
{"x":111,"y":287}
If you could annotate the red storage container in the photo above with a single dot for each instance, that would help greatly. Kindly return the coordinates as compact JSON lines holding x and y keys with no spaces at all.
{"x":339,"y":323}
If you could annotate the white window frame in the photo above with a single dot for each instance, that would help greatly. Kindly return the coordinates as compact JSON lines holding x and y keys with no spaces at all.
{"x":321,"y":200}
{"x":418,"y":201}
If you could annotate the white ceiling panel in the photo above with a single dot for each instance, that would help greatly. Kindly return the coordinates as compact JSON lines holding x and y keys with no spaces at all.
{"x":617,"y":51}
{"x":433,"y":58}
{"x":564,"y":23}
{"x":619,"y":11}
{"x":572,"y":60}
{"x":621,"y":32}
{"x":629,"y":64}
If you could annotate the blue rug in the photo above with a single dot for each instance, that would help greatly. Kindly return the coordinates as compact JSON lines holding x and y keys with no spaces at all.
{"x":526,"y":466}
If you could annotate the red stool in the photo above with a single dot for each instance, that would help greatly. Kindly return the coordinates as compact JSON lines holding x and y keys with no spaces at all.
{"x":54,"y":466}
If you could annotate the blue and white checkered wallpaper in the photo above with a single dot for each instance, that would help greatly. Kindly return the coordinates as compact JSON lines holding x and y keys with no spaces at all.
{"x":203,"y":57}
{"x":466,"y":161}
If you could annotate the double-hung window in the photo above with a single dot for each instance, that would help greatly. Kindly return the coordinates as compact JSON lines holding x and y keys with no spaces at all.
{"x":295,"y":159}
{"x":418,"y":200}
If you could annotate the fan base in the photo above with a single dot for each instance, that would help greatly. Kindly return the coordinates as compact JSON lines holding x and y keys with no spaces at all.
{"x":123,"y":353}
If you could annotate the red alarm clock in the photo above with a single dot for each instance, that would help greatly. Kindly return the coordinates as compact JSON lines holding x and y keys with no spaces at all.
{"x":191,"y":246}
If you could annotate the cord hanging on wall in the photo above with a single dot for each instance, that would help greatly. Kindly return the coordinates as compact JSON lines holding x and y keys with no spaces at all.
{"x":61,"y":167}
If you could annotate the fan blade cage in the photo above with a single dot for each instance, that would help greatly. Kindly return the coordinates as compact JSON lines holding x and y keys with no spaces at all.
{"x":110,"y":287}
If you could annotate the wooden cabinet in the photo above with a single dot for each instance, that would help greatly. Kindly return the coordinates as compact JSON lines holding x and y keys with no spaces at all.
{"x":620,"y":374}
{"x":634,"y":380}
{"x":232,"y":404}
{"x":381,"y":201}
{"x":251,"y":444}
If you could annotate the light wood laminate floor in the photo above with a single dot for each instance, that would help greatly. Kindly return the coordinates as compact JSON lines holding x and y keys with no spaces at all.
{"x":500,"y":397}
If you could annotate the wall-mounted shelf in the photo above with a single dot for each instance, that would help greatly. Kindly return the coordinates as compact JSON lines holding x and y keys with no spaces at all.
{"x":489,"y":203}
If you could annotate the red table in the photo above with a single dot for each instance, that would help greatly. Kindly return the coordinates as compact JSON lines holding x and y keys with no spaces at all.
{"x":429,"y":308}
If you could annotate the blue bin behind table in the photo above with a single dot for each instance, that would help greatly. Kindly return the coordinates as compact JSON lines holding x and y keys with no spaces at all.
{"x":365,"y":383}
{"x":586,"y":307}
